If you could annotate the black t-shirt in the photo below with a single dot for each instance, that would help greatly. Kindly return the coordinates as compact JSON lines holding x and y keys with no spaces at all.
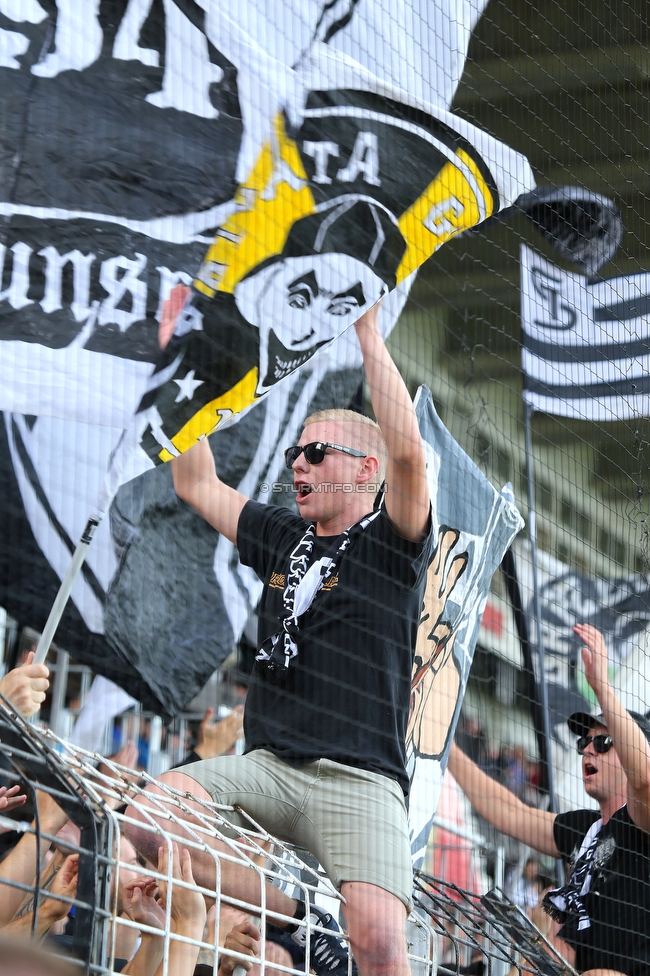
{"x":347,"y":695}
{"x":618,"y":902}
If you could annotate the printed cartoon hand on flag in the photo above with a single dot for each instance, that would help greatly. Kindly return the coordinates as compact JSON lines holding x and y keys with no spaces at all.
{"x":434,"y":670}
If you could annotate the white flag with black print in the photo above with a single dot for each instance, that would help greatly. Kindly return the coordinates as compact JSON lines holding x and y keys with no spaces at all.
{"x":586,"y":344}
{"x":295,"y":161}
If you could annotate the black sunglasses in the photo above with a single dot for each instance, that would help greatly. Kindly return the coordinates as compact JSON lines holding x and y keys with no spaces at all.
{"x":601,"y":743}
{"x":315,"y":452}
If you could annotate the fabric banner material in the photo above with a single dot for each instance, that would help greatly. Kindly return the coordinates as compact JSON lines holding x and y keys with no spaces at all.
{"x":619,"y":608}
{"x":150,"y":142}
{"x":474,"y":526}
{"x":586,"y":345}
{"x":304,"y":147}
{"x":161,"y":598}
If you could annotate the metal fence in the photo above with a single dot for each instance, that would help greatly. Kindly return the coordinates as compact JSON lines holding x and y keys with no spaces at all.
{"x":103,"y":800}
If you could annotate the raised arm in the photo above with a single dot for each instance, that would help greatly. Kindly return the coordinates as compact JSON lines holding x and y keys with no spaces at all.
{"x":60,"y":880}
{"x":501,"y":808}
{"x":188,"y":912}
{"x":630,"y":743}
{"x":197,"y":483}
{"x":20,"y":865}
{"x":407,"y":495}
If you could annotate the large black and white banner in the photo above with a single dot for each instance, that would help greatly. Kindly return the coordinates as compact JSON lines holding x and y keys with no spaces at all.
{"x":292,"y":162}
{"x":586,"y":345}
{"x":162,"y":598}
{"x":620,"y":608}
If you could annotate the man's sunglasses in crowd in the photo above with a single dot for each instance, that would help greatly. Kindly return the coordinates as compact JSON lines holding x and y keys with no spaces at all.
{"x":602,"y":743}
{"x":315,"y":452}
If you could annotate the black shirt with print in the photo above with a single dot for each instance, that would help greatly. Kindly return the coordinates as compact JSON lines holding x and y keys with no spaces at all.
{"x":618,"y":903}
{"x":347,"y":695}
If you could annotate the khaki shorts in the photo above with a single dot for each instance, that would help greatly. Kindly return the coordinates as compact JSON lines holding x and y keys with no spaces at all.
{"x":352,"y":820}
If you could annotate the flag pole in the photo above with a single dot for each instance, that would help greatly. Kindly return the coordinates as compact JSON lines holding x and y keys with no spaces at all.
{"x":65,"y":589}
{"x":112,"y":482}
{"x":539,"y":640}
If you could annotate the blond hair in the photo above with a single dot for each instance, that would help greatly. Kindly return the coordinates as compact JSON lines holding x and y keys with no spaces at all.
{"x":364,"y":432}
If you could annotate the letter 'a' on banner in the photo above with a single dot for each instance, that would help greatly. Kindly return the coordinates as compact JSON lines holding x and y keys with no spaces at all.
{"x":338,"y":210}
{"x":306,"y":172}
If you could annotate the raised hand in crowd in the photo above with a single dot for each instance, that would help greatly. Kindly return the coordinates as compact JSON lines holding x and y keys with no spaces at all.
{"x":20,"y":865}
{"x":60,"y":880}
{"x":140,"y":905}
{"x":64,"y":885}
{"x":126,"y":756}
{"x":630,"y":743}
{"x":188,"y":911}
{"x":10,"y":799}
{"x":25,"y":687}
{"x":217,"y":738}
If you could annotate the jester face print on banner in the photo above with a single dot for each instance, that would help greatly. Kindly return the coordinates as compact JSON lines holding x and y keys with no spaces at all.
{"x":334,"y":214}
{"x":335,"y":264}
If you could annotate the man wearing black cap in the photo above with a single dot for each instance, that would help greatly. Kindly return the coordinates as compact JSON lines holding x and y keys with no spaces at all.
{"x":605,"y":906}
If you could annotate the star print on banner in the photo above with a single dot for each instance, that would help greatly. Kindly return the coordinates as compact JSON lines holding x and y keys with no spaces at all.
{"x":187,"y":386}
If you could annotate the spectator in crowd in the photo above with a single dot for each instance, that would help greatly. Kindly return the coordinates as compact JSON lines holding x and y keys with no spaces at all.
{"x":244,"y":937}
{"x":25,"y":686}
{"x":328,"y":702}
{"x":59,"y":881}
{"x":237,"y":933}
{"x":187,"y":912}
{"x":20,"y":865}
{"x":493,"y":762}
{"x":217,"y":738}
{"x":527,"y":891}
{"x":604,"y":909}
{"x":534,"y":780}
{"x":515,"y":773}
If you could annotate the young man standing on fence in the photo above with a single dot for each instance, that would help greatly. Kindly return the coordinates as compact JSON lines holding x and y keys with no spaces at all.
{"x":605,"y":906}
{"x":327,"y":709}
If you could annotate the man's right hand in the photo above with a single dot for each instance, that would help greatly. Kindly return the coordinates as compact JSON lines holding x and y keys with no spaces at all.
{"x":25,"y":687}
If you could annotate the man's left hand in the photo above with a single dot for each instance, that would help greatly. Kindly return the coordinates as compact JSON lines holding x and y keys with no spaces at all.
{"x":594,"y":656}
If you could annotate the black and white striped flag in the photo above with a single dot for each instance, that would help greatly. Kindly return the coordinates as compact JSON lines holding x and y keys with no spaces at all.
{"x":586,"y":346}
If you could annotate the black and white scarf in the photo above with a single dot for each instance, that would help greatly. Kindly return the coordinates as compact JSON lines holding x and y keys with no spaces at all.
{"x":302,"y":585}
{"x":566,"y":904}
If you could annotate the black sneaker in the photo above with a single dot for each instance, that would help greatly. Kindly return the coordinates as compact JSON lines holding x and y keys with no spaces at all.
{"x":328,"y":953}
